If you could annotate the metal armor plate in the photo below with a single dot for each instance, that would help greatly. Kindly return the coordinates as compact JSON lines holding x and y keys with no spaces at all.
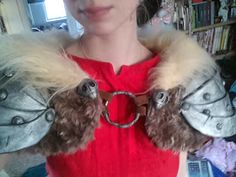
{"x":25,"y":117}
{"x":206,"y":106}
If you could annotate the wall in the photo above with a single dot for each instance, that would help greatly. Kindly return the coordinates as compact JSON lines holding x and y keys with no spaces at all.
{"x":15,"y":16}
{"x":37,"y":13}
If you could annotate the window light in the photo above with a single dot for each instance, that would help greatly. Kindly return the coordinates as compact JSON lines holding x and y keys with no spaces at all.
{"x":54,"y":9}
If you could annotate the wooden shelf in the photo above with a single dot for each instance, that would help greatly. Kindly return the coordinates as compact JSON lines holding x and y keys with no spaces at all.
{"x":221,"y":56}
{"x":230,"y":22}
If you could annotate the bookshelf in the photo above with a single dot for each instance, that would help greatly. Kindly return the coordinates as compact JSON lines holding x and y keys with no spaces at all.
{"x":213,"y":28}
{"x":204,"y":28}
{"x":225,"y":55}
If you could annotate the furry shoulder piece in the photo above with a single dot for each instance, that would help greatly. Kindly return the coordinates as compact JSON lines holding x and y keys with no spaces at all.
{"x":190,"y":97}
{"x":39,"y":61}
{"x":39,"y":85}
{"x":182,"y":58}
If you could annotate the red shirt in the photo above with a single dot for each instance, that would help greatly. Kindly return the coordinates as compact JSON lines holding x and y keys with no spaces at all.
{"x":117,"y":152}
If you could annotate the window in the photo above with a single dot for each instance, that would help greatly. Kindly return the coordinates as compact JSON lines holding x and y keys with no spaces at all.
{"x":55,"y":10}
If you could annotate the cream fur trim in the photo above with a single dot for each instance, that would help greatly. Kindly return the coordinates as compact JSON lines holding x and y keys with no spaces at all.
{"x":181,"y":59}
{"x":38,"y":59}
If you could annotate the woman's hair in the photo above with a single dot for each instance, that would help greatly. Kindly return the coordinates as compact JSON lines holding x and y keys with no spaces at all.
{"x":146,"y":10}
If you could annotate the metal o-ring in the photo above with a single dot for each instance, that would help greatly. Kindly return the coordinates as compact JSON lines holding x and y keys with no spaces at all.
{"x":126,"y":125}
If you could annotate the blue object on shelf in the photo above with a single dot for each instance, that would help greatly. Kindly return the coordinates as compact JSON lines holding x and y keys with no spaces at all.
{"x":217,"y":172}
{"x":232,"y":93}
{"x":233,"y":87}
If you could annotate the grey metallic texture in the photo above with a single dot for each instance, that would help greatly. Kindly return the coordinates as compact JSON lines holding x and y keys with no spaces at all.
{"x":207,"y":107}
{"x":126,"y":125}
{"x":25,"y":117}
{"x":88,"y":88}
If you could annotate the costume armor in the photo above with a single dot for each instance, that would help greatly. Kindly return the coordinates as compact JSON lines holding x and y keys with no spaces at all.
{"x":207,"y":107}
{"x":25,"y":115}
{"x":180,"y":102}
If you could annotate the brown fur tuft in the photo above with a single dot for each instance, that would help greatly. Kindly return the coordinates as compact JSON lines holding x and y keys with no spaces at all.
{"x":76,"y":120}
{"x":168,"y":129}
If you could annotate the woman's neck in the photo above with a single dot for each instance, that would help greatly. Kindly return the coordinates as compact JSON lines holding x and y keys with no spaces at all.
{"x":119,"y":47}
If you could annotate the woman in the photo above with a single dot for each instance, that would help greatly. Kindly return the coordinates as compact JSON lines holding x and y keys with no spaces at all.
{"x":110,"y":53}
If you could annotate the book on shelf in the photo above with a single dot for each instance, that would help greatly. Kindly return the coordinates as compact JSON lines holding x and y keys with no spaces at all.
{"x":216,"y":40}
{"x":201,"y":20}
{"x":232,"y":38}
{"x":202,"y":14}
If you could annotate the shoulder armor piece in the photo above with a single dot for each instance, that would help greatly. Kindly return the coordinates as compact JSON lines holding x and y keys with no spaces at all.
{"x":25,"y":117}
{"x":207,"y":107}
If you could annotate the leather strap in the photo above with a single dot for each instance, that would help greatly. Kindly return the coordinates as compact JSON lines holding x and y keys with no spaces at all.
{"x":140,"y":101}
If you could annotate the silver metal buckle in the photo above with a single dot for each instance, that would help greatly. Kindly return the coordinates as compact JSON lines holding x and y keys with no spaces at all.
{"x":126,"y":125}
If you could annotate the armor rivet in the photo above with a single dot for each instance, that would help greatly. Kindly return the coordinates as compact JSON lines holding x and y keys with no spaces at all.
{"x":50,"y":114}
{"x":17,"y":120}
{"x":206,"y":96}
{"x":186,"y":106}
{"x":223,"y":82}
{"x":206,"y":111}
{"x":3,"y":94}
{"x":8,"y":73}
{"x":219,"y":126}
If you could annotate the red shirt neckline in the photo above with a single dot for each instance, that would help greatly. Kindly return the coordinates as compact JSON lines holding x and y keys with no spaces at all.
{"x":123,"y":69}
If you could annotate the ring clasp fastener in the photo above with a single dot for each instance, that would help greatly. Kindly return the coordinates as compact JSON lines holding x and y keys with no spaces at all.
{"x":126,"y":125}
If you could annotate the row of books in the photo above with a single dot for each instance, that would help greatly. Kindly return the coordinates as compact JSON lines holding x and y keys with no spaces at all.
{"x":203,"y":14}
{"x":216,"y":40}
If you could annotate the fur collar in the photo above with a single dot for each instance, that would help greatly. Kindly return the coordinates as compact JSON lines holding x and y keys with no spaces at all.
{"x":181,"y":59}
{"x":39,"y":59}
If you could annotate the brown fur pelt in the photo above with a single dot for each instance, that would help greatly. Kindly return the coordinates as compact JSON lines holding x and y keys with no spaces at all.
{"x":77,"y":117}
{"x":167,"y":127}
